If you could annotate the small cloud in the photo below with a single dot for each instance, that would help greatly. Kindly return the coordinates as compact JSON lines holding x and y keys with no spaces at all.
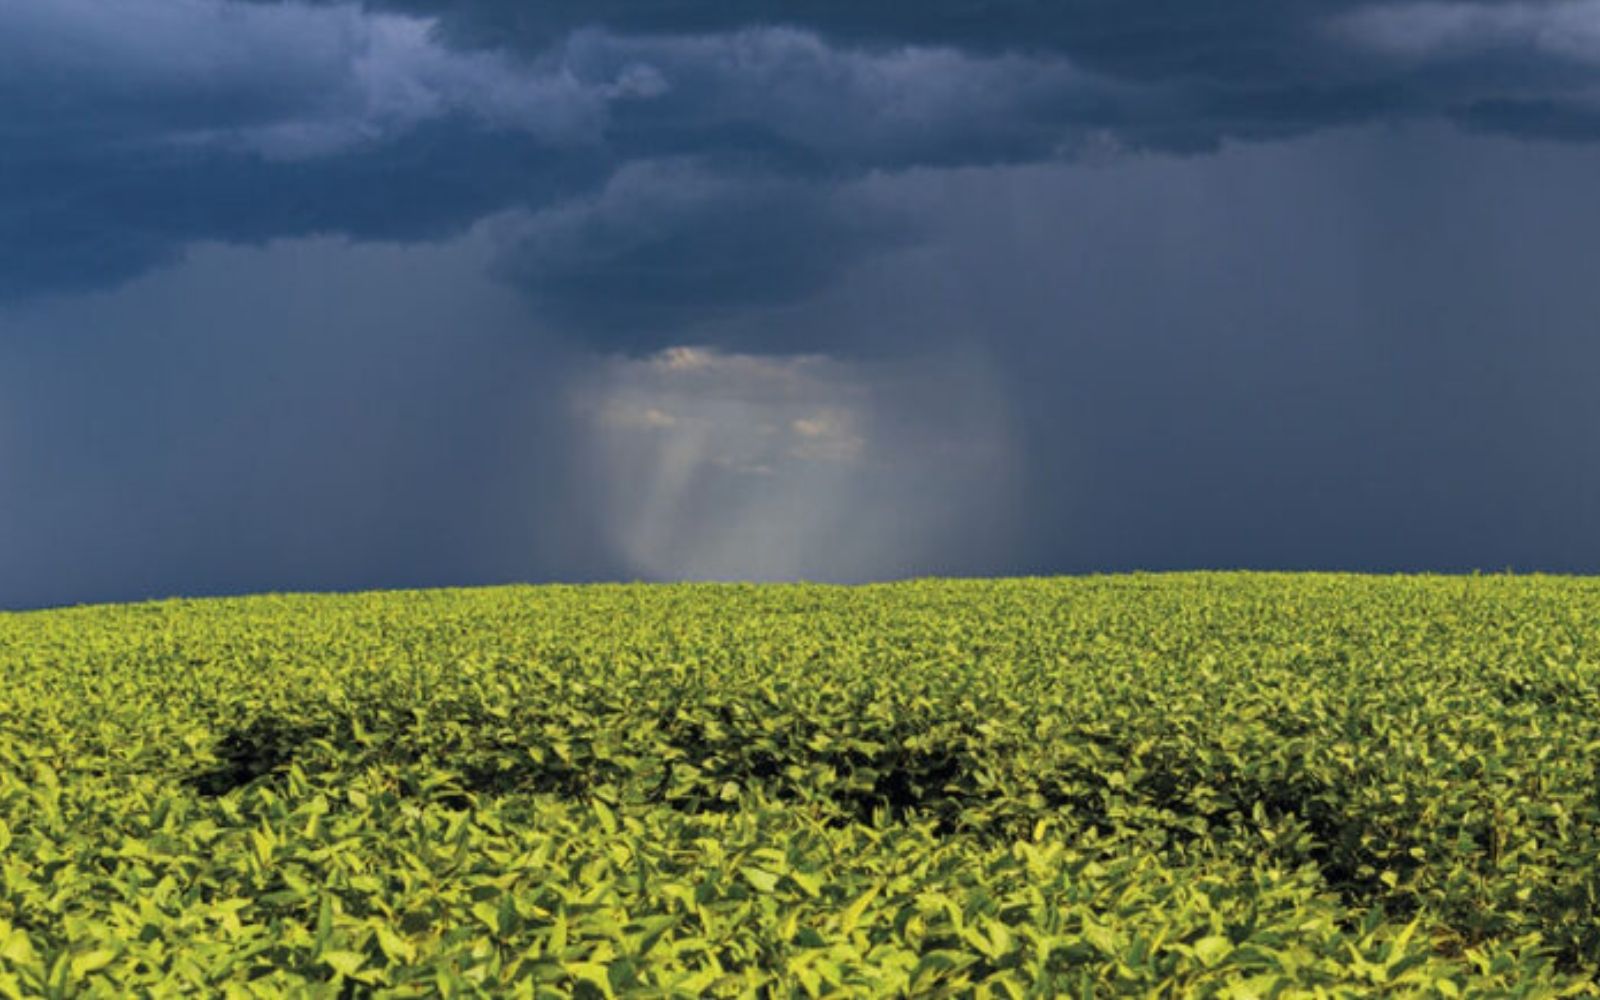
{"x":813,"y":427}
{"x":827,"y":436}
{"x":709,"y":372}
{"x":684,"y":359}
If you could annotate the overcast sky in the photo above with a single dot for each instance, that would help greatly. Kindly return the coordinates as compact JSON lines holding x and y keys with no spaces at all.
{"x":310,"y":296}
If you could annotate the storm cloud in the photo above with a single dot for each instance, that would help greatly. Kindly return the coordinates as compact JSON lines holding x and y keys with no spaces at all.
{"x":135,"y":128}
{"x":336,"y":294}
{"x":669,"y":246}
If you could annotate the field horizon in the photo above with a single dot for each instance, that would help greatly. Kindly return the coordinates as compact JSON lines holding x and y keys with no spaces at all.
{"x":734,"y":584}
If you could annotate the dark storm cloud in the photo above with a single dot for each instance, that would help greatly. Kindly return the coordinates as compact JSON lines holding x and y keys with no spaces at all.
{"x":669,"y":245}
{"x":1305,"y":63}
{"x":116,"y":153}
{"x":130,"y":130}
{"x":81,"y":222}
{"x":134,"y":128}
{"x":793,"y":100}
{"x":1145,"y":40}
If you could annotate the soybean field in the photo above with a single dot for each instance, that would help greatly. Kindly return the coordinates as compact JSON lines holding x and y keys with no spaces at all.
{"x":1160,"y":785}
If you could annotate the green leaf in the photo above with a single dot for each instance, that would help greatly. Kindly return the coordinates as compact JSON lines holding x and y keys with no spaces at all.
{"x":810,"y":884}
{"x":345,"y":963}
{"x":488,"y":913}
{"x":87,"y":962}
{"x":324,"y":931}
{"x":764,"y":881}
{"x":1212,"y":949}
{"x":852,"y":913}
{"x":558,"y":933}
{"x":395,"y":947}
{"x":15,"y":946}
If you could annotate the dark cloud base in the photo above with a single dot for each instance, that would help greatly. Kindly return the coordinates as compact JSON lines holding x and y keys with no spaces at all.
{"x":79,"y":222}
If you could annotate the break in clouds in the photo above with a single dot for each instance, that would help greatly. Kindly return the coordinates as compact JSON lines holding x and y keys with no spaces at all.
{"x":308,"y":295}
{"x":713,"y":465}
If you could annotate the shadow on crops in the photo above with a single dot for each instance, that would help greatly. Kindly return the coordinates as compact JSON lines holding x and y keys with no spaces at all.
{"x":1186,"y":794}
{"x":257,"y":749}
{"x":948,"y":773}
{"x":859,"y":781}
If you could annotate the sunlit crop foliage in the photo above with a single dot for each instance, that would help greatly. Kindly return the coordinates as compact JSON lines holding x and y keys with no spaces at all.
{"x":1188,"y":785}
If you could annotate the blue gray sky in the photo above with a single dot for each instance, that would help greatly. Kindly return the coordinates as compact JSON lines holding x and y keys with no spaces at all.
{"x":334,"y":295}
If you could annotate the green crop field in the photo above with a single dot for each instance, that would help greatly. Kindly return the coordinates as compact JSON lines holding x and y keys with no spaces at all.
{"x":1158,"y":785}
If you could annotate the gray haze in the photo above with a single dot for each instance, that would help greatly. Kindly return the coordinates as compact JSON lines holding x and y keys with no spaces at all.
{"x":337,"y":295}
